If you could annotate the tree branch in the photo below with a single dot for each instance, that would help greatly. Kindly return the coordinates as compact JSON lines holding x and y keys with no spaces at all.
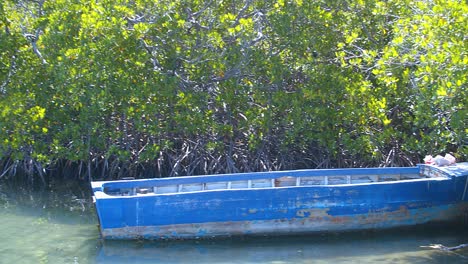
{"x":11,"y":71}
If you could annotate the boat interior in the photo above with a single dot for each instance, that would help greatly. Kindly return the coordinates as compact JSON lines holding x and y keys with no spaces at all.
{"x":258,"y":183}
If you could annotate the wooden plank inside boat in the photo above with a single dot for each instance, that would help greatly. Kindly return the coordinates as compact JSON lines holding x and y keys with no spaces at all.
{"x":285,"y":181}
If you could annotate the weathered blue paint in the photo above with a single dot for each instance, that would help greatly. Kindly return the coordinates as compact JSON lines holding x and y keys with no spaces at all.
{"x":282,"y":210}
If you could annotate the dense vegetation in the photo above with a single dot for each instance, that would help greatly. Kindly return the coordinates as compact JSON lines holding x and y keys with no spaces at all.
{"x":146,"y":88}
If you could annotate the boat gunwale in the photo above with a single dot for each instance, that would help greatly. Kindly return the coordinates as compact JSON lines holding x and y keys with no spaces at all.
{"x":103,"y":195}
{"x":255,"y":176}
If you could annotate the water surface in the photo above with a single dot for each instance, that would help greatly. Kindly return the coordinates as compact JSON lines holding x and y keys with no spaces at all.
{"x":57,"y":224}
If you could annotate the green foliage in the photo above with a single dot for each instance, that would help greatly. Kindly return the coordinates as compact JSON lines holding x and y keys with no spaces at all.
{"x":187,"y":87}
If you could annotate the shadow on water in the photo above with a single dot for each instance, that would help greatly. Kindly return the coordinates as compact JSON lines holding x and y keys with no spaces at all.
{"x":57,"y":224}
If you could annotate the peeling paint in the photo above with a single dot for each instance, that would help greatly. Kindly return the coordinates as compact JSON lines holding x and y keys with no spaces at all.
{"x":402,"y":217}
{"x":352,"y":192}
{"x":315,"y":212}
{"x":253,"y":211}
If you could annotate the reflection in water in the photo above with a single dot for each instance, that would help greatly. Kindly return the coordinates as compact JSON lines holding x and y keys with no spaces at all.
{"x":55,"y":224}
{"x":395,"y":246}
{"x":58,"y":225}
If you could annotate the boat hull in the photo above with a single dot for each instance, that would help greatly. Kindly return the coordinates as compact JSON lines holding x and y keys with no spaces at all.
{"x":372,"y":221}
{"x":284,"y":210}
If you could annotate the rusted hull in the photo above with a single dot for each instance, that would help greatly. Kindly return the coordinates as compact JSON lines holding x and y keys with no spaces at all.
{"x":284,"y":210}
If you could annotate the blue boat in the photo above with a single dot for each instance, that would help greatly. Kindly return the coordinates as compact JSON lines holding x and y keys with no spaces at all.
{"x":281,"y":202}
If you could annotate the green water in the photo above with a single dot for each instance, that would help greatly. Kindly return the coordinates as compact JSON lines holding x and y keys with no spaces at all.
{"x":58,"y":225}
